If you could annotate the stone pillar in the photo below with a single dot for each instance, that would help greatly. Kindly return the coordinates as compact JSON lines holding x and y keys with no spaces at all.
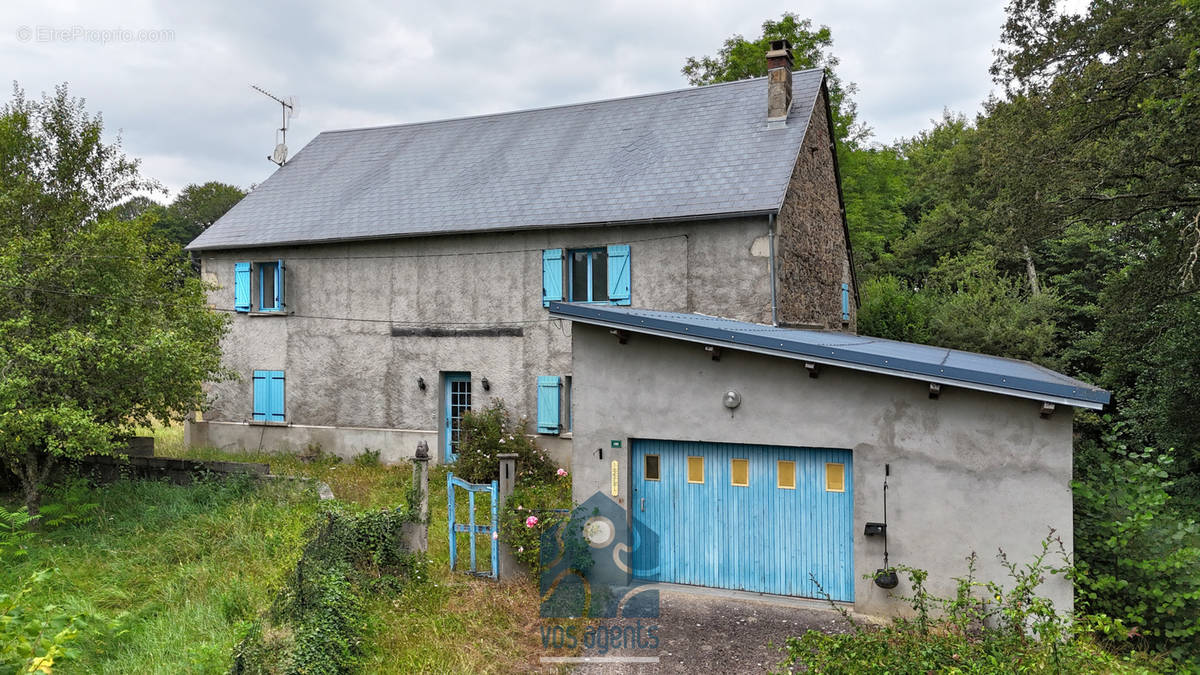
{"x":509,"y":568}
{"x":416,"y":535}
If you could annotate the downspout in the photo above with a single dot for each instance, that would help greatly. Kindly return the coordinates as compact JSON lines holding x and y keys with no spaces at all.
{"x":771,"y":255}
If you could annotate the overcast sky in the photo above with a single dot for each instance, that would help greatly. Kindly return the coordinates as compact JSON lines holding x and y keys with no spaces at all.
{"x":173,"y":77}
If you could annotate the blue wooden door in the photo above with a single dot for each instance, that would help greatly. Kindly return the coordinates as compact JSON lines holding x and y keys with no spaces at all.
{"x":745,"y":517}
{"x":456,"y":388}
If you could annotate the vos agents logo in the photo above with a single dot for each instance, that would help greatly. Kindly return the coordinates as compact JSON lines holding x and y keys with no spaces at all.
{"x":587,"y":565}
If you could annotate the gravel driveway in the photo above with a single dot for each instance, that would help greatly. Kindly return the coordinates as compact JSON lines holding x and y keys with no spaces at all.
{"x":706,"y":631}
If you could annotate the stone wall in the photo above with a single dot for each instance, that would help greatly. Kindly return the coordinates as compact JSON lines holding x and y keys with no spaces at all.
{"x":812,"y":251}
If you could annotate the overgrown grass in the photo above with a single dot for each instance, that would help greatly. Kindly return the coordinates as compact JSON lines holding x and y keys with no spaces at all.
{"x":175,"y":572}
{"x":451,"y":623}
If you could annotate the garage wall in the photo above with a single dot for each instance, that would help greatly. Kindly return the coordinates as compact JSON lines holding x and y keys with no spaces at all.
{"x":971,"y":471}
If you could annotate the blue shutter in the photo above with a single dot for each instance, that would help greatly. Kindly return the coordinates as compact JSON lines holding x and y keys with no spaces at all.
{"x":552,"y":276}
{"x":547,"y":404}
{"x":845,"y":302}
{"x":241,"y":286}
{"x":618,"y":274}
{"x":279,"y":285}
{"x":276,"y":389}
{"x":262,"y":395}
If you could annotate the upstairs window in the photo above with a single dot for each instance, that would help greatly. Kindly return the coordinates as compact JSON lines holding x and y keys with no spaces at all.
{"x":586,"y":275}
{"x":258,"y":287}
{"x":588,"y":272}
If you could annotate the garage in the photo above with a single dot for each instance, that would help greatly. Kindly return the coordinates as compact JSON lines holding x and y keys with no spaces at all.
{"x":744,"y":517}
{"x":759,"y":458}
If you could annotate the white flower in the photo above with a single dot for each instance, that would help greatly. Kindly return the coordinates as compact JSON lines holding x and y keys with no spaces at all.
{"x":501,"y":441}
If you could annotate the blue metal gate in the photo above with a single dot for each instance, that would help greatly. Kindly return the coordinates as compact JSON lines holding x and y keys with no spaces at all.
{"x":747,"y":517}
{"x":492,"y":530}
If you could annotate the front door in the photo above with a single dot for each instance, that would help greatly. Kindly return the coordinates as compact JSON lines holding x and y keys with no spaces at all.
{"x":457,"y":392}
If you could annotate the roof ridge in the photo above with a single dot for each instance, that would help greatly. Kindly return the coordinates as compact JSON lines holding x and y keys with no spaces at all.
{"x":554,"y":107}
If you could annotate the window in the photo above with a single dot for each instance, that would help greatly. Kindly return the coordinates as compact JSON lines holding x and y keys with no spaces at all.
{"x":650,"y":467}
{"x":588,"y":272}
{"x":549,"y":420}
{"x":268,"y":396}
{"x":695,"y":469}
{"x":739,"y":472}
{"x":258,"y":286}
{"x":835,"y":477}
{"x":586,"y":275}
{"x":786,"y":478}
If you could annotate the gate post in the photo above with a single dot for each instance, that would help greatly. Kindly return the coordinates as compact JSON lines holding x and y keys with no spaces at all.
{"x":417,"y":534}
{"x":507,"y":483}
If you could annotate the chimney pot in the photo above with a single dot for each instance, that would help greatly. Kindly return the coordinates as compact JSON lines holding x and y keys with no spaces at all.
{"x":779,"y":82}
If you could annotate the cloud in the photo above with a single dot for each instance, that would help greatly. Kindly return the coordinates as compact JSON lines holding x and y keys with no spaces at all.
{"x":185,"y":107}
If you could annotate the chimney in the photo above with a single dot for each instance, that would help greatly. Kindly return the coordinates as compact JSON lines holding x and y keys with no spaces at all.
{"x":779,"y":83}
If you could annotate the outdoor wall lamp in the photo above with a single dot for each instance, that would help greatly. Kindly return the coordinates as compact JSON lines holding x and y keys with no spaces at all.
{"x":732,"y":399}
{"x":421,"y":383}
{"x":487,"y":386}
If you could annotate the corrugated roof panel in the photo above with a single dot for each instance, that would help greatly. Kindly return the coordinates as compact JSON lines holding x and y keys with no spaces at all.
{"x":903,"y":359}
{"x":680,"y":154}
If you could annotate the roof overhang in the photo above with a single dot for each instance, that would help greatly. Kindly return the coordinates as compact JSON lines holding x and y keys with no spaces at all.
{"x":1083,"y":397}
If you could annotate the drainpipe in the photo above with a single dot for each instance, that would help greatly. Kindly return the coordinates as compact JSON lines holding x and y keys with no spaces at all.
{"x":771,"y":254}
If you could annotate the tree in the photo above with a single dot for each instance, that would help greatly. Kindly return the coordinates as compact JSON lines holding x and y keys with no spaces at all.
{"x":102,"y":327}
{"x":195,"y":209}
{"x":1105,"y":105}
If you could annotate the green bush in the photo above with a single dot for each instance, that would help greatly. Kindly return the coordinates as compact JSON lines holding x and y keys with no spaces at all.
{"x":493,"y":431}
{"x":985,"y":628}
{"x":318,"y":621}
{"x":1138,"y":557}
{"x":15,"y":531}
{"x":34,"y":638}
{"x":549,"y":503}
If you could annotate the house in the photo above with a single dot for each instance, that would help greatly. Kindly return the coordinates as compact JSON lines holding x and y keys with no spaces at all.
{"x":387,"y":279}
{"x":755,"y":457}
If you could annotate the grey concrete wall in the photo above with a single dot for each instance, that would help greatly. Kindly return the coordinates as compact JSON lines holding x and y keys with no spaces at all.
{"x":971,"y":471}
{"x":354,"y":375}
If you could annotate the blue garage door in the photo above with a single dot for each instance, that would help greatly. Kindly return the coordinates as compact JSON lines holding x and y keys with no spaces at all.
{"x":746,"y":517}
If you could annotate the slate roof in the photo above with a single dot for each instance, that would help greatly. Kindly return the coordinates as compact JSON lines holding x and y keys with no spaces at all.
{"x":702,"y":151}
{"x":902,"y":359}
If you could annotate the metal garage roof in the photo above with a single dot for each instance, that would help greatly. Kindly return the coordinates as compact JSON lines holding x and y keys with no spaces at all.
{"x":860,"y":352}
{"x":691,"y":153}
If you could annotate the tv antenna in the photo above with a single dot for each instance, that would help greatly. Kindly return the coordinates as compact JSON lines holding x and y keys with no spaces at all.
{"x":279,"y":155}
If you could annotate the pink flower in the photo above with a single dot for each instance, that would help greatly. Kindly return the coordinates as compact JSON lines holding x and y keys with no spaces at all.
{"x":520,"y":549}
{"x":495,"y":535}
{"x":531,"y":521}
{"x":562,"y":472}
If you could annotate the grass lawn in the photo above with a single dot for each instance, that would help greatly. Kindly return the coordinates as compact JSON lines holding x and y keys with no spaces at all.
{"x":451,"y":623}
{"x":179,"y":568}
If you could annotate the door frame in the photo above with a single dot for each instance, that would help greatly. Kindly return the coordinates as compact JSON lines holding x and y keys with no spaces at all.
{"x":445,"y":432}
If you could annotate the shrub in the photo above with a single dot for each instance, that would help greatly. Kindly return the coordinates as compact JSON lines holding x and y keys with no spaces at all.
{"x":318,"y":621}
{"x":549,"y":503}
{"x":1004,"y":631}
{"x":367,"y":457}
{"x":490,"y":432}
{"x":34,"y":638}
{"x":15,"y":531}
{"x":1138,"y":558}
